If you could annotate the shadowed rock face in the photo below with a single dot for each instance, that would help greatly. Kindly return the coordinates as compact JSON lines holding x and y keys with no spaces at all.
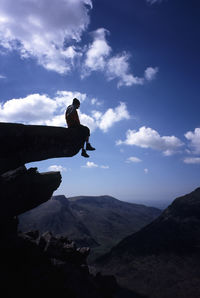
{"x":31,"y":262}
{"x":176,"y":230}
{"x":21,"y":144}
{"x":24,"y":189}
{"x":162,"y":260}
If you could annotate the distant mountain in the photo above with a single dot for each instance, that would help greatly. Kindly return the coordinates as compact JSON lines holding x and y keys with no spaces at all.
{"x":163,"y":258}
{"x":99,"y":222}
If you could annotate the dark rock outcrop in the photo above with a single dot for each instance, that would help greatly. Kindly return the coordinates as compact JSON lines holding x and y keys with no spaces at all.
{"x":21,"y":144}
{"x":23,"y":189}
{"x":30,"y":261}
{"x":46,"y":262}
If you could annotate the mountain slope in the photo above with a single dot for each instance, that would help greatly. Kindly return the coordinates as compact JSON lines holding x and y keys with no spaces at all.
{"x":109,"y":220}
{"x":99,"y":222}
{"x":56,"y":216}
{"x":162,"y":259}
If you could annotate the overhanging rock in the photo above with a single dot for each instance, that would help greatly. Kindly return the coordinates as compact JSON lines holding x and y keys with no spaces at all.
{"x":22,"y":190}
{"x":21,"y":144}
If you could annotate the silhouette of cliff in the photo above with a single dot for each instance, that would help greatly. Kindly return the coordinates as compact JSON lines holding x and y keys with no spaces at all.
{"x":21,"y":144}
{"x":29,"y":260}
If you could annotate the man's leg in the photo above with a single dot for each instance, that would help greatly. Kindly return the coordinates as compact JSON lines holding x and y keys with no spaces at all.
{"x":88,"y":145}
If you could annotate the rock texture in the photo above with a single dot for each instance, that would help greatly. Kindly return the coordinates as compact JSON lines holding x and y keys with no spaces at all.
{"x":21,"y":144}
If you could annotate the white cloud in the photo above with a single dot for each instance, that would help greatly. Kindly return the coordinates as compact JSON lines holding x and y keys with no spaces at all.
{"x":118,"y":67}
{"x":95,"y":101}
{"x":98,"y":58}
{"x":194,"y":138}
{"x":49,"y":31}
{"x":43,"y":110}
{"x":192,"y":160}
{"x":111,"y":116}
{"x":40,"y":29}
{"x":39,"y":109}
{"x":97,"y":115}
{"x":88,"y":121}
{"x":57,"y":168}
{"x":97,"y":52}
{"x":56,"y":120}
{"x":150,"y":138}
{"x":104,"y":121}
{"x":146,"y":171}
{"x":64,"y":98}
{"x":150,"y":73}
{"x":91,"y":164}
{"x":133,"y":159}
{"x":2,"y":77}
{"x":31,"y":109}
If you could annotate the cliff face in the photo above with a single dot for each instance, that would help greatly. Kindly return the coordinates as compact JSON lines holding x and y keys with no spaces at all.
{"x":21,"y":144}
{"x":22,"y":189}
{"x":30,"y":260}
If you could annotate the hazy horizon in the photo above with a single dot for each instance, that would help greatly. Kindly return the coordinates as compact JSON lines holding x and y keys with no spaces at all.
{"x":161,"y":204}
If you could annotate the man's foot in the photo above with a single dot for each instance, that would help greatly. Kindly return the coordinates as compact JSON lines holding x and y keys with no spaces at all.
{"x":89,"y":147}
{"x":84,"y":153}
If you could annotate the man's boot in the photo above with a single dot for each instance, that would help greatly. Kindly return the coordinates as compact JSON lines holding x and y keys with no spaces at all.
{"x":84,"y":153}
{"x":89,"y":147}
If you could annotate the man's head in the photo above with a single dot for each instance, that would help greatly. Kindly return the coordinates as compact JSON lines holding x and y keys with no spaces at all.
{"x":76,"y":103}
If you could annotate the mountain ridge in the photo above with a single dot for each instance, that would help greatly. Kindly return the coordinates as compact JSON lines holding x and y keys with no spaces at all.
{"x":161,"y":260}
{"x":98,"y":222}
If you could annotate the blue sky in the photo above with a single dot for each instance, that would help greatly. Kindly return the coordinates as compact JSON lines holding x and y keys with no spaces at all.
{"x":134,"y":65}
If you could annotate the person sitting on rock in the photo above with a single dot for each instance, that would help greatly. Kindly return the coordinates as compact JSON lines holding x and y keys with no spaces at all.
{"x":73,"y":121}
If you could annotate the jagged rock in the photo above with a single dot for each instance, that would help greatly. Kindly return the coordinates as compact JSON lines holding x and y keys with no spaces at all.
{"x":22,"y":190}
{"x":61,"y":248}
{"x":21,"y":144}
{"x":84,"y":250}
{"x":33,"y":234}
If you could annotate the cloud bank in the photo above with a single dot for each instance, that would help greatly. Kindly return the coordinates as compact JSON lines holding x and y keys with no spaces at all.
{"x":29,"y":27}
{"x":99,"y":58}
{"x":147,"y":137}
{"x":54,"y":42}
{"x":42,"y":110}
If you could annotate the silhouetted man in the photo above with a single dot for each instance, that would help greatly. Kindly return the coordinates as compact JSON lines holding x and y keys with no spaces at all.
{"x":72,"y":120}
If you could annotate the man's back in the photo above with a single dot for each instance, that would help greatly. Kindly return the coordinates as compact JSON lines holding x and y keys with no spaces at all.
{"x":71,"y":116}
